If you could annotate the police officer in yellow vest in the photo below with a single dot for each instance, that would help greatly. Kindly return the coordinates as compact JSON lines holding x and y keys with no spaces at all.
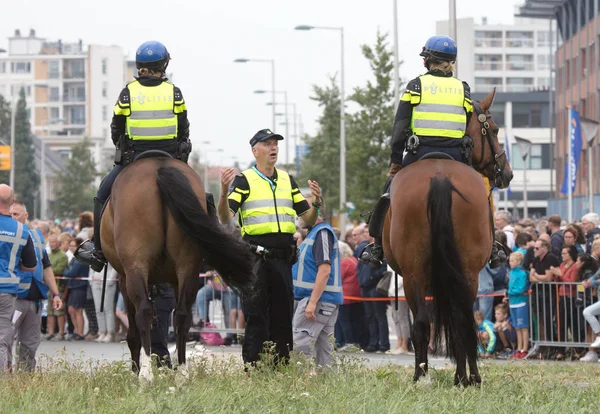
{"x":267,"y":200}
{"x":150,"y":114}
{"x":432,"y":116}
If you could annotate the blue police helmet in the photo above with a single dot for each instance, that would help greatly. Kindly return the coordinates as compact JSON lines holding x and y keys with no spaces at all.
{"x":440,"y":48}
{"x":152,"y":55}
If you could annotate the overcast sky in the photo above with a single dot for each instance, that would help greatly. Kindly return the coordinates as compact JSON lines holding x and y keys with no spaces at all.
{"x":204,"y":37}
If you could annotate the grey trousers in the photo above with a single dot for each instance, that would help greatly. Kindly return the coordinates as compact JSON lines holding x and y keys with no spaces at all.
{"x":315,"y":338}
{"x":28,"y":332}
{"x":7,"y":309}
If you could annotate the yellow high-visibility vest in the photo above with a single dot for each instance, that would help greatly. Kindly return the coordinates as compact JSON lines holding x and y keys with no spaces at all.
{"x":441,"y":111}
{"x":269,"y":207}
{"x":151,"y":114}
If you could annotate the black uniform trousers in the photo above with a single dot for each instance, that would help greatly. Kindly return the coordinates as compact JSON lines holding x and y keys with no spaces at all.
{"x":163,"y":298}
{"x":269,"y":314}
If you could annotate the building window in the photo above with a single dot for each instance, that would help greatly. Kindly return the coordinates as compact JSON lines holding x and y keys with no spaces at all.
{"x":519,"y":84}
{"x":54,"y":95}
{"x":53,"y":69}
{"x":54,"y":113}
{"x":535,"y":120}
{"x":487,"y":84}
{"x":74,"y":69}
{"x":77,"y":115}
{"x":543,"y":83}
{"x":20,"y":67}
{"x":105,"y":113}
{"x":105,"y":132}
{"x":519,"y":39}
{"x":535,"y":160}
{"x":105,"y":89}
{"x":488,"y":38}
{"x":497,"y":112}
{"x":520,"y":115}
{"x":3,"y":67}
{"x":104,"y":66}
{"x":519,"y":62}
{"x":544,"y":38}
{"x":488,"y":62}
{"x":543,"y":62}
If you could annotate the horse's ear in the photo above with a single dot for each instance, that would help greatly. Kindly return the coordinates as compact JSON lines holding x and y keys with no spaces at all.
{"x":488,"y":101}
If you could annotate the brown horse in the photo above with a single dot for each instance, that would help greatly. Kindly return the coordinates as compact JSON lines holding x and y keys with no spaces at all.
{"x":156,"y":229}
{"x":438,"y":235}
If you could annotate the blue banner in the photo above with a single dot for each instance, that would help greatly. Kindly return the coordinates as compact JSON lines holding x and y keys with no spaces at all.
{"x":576,"y":142}
{"x":508,"y":150}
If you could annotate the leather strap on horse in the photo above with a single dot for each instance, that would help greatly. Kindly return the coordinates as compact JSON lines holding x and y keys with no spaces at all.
{"x":103,"y":289}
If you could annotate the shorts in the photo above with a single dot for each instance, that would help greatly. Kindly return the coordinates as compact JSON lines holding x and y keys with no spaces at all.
{"x":77,"y":298}
{"x":121,"y":303}
{"x":520,"y":316}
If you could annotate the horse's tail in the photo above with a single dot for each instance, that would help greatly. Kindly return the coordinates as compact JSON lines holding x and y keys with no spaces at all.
{"x":452,"y":297}
{"x":222,"y":251}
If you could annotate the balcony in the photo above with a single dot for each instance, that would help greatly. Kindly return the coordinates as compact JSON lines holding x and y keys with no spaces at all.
{"x":488,"y":65}
{"x":74,"y":99}
{"x":78,"y":76}
{"x":520,"y":42}
{"x":487,"y":87}
{"x":488,"y":42}
{"x":519,"y":88}
{"x":520,"y":66}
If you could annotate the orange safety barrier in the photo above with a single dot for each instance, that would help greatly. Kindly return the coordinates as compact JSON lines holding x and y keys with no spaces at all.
{"x":387,"y":299}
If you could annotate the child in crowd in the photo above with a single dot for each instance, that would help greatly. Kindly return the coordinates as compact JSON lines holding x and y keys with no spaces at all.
{"x":485,"y":335}
{"x":505,"y":331}
{"x":518,"y":301}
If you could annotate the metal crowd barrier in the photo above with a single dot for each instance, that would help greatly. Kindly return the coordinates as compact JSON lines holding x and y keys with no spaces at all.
{"x":556,"y":315}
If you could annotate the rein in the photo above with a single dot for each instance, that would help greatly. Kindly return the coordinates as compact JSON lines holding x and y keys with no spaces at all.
{"x":487,"y":136}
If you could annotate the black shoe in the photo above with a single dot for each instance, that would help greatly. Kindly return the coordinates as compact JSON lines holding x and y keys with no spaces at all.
{"x":374,"y":257}
{"x":86,"y":254}
{"x":498,"y":257}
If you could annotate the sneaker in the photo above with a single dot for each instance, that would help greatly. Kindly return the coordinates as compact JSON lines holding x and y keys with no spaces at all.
{"x":49,"y":337}
{"x":106,"y":339}
{"x":100,"y":338}
{"x":506,"y":354}
{"x":590,"y":356}
{"x":58,"y":338}
{"x":596,"y":343}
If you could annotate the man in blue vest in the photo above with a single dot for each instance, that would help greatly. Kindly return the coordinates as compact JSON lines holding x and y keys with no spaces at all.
{"x":318,"y":290}
{"x":33,"y":289}
{"x":16,"y":254}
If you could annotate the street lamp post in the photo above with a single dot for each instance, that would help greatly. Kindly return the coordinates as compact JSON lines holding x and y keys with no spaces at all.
{"x":287,"y":136}
{"x":342,"y":125}
{"x":396,"y":58}
{"x":272,"y":61}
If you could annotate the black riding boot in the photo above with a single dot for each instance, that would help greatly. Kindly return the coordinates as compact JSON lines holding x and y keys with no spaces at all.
{"x":498,"y":256}
{"x":92,"y":255}
{"x":374,"y":257}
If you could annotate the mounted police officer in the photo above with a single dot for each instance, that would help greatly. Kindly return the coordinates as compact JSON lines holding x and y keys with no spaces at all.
{"x":267,"y":200}
{"x":432,"y":116}
{"x":150,"y":114}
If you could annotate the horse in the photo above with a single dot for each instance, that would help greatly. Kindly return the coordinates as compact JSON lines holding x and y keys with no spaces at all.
{"x":438,"y":234}
{"x":156,"y":229}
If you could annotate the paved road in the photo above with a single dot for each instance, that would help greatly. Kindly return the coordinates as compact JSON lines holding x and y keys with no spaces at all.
{"x":111,"y":352}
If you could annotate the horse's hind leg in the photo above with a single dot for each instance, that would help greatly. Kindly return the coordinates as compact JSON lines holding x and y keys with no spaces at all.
{"x":133,"y":336}
{"x":137,"y":288}
{"x":420,"y":335}
{"x":188,"y":287}
{"x":474,"y":377}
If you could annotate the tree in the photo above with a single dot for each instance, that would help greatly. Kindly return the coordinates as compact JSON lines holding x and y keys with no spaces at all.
{"x":370,"y":129}
{"x":27,"y":179}
{"x":4,"y":132}
{"x":322,"y":161}
{"x":76,"y":190}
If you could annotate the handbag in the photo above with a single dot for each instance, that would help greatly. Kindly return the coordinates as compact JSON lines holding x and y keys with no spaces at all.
{"x":384,"y":284}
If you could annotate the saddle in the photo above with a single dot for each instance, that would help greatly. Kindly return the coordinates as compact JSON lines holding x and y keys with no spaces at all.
{"x":152,"y":153}
{"x":436,"y":156}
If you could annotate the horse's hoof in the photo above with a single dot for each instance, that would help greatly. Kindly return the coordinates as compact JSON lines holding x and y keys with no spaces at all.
{"x":475,"y":380}
{"x":461,"y":381}
{"x":146,"y":377}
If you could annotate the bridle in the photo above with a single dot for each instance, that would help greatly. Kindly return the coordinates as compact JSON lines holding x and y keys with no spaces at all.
{"x":495,"y":161}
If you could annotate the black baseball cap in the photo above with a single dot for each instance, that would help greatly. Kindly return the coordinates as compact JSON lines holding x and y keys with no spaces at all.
{"x":263,"y":135}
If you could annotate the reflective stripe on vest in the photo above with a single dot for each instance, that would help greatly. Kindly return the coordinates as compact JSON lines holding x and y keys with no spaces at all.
{"x":17,"y":241}
{"x":269,"y":207}
{"x":152,"y":116}
{"x":441,"y":111}
{"x":37,"y":276}
{"x":305,"y":270}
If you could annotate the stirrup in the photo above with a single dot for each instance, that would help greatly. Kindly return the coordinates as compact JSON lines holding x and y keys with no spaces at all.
{"x":498,"y":256}
{"x":373,"y":258}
